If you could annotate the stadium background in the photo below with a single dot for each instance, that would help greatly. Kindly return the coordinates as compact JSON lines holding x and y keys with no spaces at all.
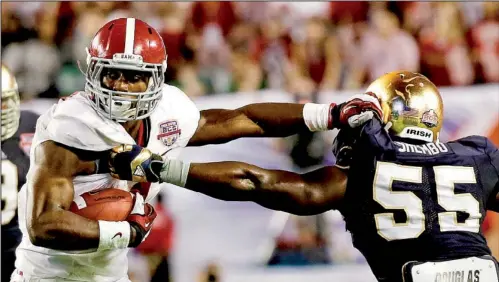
{"x":227,"y":54}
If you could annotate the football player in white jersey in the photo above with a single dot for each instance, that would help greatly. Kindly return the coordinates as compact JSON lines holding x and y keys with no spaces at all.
{"x":126,"y":102}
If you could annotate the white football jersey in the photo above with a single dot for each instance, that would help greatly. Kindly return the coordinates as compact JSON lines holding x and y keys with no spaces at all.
{"x":73,"y":122}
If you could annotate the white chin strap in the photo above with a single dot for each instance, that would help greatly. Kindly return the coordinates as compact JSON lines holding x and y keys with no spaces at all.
{"x":119,"y":108}
{"x":125,"y":109}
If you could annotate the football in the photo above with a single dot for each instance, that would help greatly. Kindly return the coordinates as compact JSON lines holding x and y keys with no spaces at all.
{"x":106,"y":204}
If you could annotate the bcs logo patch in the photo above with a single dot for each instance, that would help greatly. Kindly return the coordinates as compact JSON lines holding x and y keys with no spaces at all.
{"x":429,"y":118}
{"x":169,"y":132}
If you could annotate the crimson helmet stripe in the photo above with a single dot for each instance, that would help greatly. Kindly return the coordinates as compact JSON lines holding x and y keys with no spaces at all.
{"x":130,"y":35}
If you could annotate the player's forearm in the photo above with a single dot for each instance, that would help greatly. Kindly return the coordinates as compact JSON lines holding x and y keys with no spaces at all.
{"x":51,"y":224}
{"x":64,"y":230}
{"x":276,"y":119}
{"x":274,"y":189}
{"x":281,"y":119}
{"x":260,"y":120}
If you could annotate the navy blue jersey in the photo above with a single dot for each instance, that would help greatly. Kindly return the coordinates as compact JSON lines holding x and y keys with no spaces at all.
{"x":406,"y":202}
{"x":15,"y":165}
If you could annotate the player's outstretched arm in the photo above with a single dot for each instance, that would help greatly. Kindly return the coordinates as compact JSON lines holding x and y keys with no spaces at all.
{"x":50,"y":195}
{"x":302,"y":194}
{"x":281,"y":119}
{"x":254,"y":120}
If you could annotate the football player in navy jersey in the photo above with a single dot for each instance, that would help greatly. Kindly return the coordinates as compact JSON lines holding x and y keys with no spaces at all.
{"x":17,"y":130}
{"x":414,"y":205}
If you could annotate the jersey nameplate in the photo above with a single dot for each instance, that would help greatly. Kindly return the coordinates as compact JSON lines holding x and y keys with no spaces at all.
{"x":425,"y":149}
{"x":472,"y":269}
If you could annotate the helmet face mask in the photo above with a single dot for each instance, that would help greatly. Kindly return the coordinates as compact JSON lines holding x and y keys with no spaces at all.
{"x":123,"y":105}
{"x":412,"y":105}
{"x":126,"y":46}
{"x":11,"y":111}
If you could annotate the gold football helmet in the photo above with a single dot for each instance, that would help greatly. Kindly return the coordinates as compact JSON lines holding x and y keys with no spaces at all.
{"x":411,"y":103}
{"x":11,"y":112}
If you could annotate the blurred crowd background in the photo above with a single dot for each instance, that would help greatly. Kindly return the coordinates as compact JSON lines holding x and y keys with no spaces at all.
{"x":302,"y":48}
{"x":222,"y":47}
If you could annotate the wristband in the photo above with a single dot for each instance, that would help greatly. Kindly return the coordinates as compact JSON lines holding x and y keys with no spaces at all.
{"x":113,"y":235}
{"x":175,"y":172}
{"x":139,"y":235}
{"x":317,"y":117}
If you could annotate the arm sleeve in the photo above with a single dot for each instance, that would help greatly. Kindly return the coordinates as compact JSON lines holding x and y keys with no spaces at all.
{"x":374,"y":138}
{"x":76,"y":124}
{"x":370,"y":140}
{"x":73,"y":133}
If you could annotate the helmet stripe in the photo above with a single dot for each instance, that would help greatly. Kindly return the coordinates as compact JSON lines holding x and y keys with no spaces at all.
{"x":130,"y":35}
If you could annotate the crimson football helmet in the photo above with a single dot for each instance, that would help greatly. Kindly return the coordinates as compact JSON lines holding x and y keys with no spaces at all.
{"x":126,"y":44}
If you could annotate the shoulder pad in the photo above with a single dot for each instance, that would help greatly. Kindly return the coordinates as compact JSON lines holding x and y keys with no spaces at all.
{"x":75,"y":123}
{"x":489,"y":146}
{"x":174,"y":122}
{"x":174,"y":97}
{"x":481,"y":143}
